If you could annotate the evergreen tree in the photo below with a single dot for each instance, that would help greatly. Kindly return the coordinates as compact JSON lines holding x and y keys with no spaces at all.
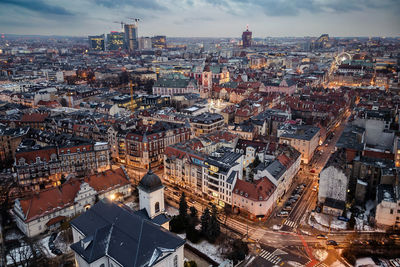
{"x":193,"y":220}
{"x":214,"y":228}
{"x":205,"y":220}
{"x":183,"y":206}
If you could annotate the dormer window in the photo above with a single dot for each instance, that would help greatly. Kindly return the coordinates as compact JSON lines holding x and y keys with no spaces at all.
{"x":246,"y":195}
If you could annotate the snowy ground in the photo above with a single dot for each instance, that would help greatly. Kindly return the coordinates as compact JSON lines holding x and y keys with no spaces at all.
{"x":337,"y":264}
{"x":172,"y":211}
{"x":365,"y":262}
{"x":210,"y":250}
{"x":320,"y":254}
{"x":330,"y":221}
{"x":59,"y":243}
{"x":13,"y":235}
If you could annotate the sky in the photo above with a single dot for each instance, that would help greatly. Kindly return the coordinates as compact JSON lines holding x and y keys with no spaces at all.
{"x":203,"y":18}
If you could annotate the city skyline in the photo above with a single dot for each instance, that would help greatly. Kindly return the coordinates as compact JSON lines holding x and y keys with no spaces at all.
{"x":202,"y":18}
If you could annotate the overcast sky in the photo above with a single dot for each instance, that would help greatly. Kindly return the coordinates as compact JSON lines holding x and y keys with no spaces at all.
{"x":203,"y":18}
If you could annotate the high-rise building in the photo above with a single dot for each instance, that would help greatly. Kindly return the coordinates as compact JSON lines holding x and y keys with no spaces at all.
{"x":131,"y":37}
{"x":145,"y":43}
{"x":246,"y":38}
{"x":115,"y":40}
{"x":96,"y":43}
{"x":159,"y":41}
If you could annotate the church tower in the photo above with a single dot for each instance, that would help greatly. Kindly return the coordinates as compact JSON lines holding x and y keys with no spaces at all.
{"x":151,"y":194}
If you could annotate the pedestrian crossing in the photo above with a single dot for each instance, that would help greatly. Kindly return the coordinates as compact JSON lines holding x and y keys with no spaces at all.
{"x":270,"y":257}
{"x":290,"y":223}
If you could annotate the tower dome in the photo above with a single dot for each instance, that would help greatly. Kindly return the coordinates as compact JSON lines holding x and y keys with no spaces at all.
{"x":150,"y":182}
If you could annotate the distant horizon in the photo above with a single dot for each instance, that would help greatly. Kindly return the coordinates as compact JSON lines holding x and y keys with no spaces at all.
{"x":209,"y":37}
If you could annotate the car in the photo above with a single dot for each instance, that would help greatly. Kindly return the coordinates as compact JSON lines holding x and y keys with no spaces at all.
{"x":314,"y":188}
{"x":283,"y":214}
{"x":53,"y":237}
{"x":176,"y":194}
{"x":312,"y":171}
{"x":57,"y":251}
{"x":176,"y":187}
{"x":394,"y":237}
{"x":322,"y":237}
{"x":318,"y":209}
{"x":331,"y":243}
{"x":52,"y":246}
{"x":169,"y":198}
{"x":287,"y":208}
{"x":192,"y":201}
{"x":292,"y":200}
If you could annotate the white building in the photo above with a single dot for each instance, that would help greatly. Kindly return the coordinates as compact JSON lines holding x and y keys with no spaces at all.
{"x":387,"y":213}
{"x":333,"y":183}
{"x":49,"y":208}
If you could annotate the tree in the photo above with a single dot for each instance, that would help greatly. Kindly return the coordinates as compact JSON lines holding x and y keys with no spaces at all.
{"x":28,"y":253}
{"x":193,"y":216}
{"x":214,"y":228}
{"x":238,"y":251}
{"x":352,"y":221}
{"x":183,"y":206}
{"x":205,"y":220}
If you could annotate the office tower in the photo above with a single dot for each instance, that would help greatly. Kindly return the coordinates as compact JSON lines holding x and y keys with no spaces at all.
{"x":145,"y":43}
{"x":131,"y":37}
{"x":115,"y":40}
{"x":96,"y":43}
{"x":159,"y":41}
{"x":246,"y":37}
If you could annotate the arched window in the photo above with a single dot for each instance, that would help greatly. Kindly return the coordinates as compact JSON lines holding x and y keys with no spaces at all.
{"x":157,"y":207}
{"x":102,"y":265}
{"x":176,"y":261}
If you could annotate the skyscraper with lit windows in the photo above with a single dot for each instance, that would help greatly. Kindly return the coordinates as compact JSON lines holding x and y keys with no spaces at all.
{"x":96,"y":43}
{"x":246,"y":37}
{"x":131,"y":37}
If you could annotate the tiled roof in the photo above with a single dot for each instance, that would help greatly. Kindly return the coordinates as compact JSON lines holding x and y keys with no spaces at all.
{"x":35,"y":117}
{"x":261,"y":189}
{"x":107,"y":180}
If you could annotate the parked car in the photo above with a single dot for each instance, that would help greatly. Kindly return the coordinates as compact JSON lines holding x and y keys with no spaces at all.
{"x":192,"y":201}
{"x":52,"y":246}
{"x":53,"y":237}
{"x":312,"y":171}
{"x":287,"y":208}
{"x":314,"y":188}
{"x":57,"y":251}
{"x":318,"y":209}
{"x":331,"y":243}
{"x":322,"y":237}
{"x":283,"y":214}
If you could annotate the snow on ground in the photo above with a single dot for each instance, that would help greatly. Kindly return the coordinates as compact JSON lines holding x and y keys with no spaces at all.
{"x":294,"y":264}
{"x":362,"y":225}
{"x":365,"y":262}
{"x":316,"y":225}
{"x":337,"y":264}
{"x":45,"y":246}
{"x":208,"y":249}
{"x":330,"y":221}
{"x":172,"y":211}
{"x":369,"y":206}
{"x":13,"y":235}
{"x":320,"y":254}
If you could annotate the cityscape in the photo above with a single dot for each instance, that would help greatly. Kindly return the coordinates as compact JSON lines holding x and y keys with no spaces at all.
{"x":141,"y":144}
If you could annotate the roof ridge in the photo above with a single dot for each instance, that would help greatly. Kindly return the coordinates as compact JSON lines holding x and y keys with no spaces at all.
{"x":138,"y":246}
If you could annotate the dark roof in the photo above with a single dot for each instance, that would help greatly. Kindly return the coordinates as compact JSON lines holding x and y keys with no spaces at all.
{"x":150,"y":182}
{"x":159,"y":219}
{"x":122,"y":235}
{"x":334,"y":203}
{"x":385,"y":192}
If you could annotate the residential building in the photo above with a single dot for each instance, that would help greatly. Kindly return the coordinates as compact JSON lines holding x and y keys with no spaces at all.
{"x":206,"y":123}
{"x":304,"y":138}
{"x":176,"y":84}
{"x":258,"y":198}
{"x":49,"y":208}
{"x":387,"y":213}
{"x":10,"y":138}
{"x":220,"y":173}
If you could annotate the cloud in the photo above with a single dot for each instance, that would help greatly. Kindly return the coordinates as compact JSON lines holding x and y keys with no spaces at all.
{"x":294,"y":7}
{"x":140,"y":4}
{"x":38,"y":6}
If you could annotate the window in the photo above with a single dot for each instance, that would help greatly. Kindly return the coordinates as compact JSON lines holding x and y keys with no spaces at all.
{"x":157,"y":207}
{"x":391,"y":211}
{"x":176,"y":261}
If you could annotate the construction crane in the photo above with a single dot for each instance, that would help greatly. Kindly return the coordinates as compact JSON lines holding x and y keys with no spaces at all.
{"x":136,"y":20}
{"x":120,"y":22}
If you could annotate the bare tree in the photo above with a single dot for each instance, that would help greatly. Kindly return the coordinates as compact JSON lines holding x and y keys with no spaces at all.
{"x":28,"y":253}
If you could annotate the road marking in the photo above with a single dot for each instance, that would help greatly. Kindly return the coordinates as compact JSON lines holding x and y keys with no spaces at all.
{"x":290,"y":223}
{"x":279,"y":252}
{"x":270,"y":257}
